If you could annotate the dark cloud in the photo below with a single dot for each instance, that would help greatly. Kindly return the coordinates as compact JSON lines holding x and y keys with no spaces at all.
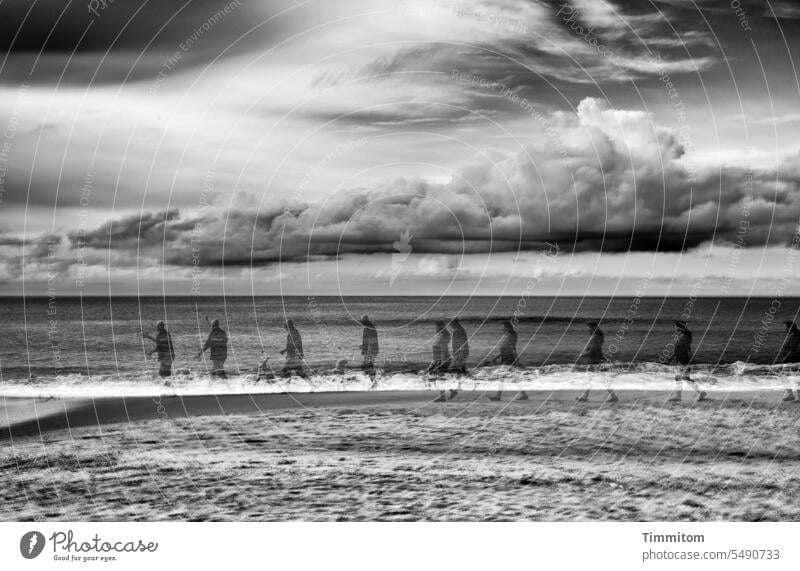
{"x":63,"y":40}
{"x":619,"y":48}
{"x":11,"y":241}
{"x":134,"y":232}
{"x":618,"y":184}
{"x":42,"y":246}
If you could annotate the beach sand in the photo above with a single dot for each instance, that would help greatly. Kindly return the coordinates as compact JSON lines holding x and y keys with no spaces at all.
{"x":400,"y":456}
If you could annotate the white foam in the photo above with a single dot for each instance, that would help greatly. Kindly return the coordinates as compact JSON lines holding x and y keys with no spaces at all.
{"x":651,"y":376}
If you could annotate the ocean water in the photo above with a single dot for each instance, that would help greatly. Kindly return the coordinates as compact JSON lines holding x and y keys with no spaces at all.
{"x":94,"y":345}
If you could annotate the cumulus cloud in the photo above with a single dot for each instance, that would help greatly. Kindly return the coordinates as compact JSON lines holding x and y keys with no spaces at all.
{"x":614,"y":182}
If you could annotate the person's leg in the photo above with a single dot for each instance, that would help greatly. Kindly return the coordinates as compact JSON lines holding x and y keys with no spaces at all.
{"x":612,"y":396}
{"x":458,"y":368}
{"x":585,"y":395}
{"x":676,"y":394}
{"x":289,"y":368}
{"x":368,"y":366}
{"x":300,"y":370}
{"x":701,"y":394}
{"x":523,"y":395}
{"x":498,"y":394}
{"x":460,"y":364}
{"x":165,"y":369}
{"x":218,"y":370}
{"x":504,"y":360}
{"x":789,"y":396}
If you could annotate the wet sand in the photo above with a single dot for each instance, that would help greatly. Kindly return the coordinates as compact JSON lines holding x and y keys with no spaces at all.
{"x":401,"y":456}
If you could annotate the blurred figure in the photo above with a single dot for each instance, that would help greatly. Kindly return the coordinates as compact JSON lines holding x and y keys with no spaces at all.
{"x":508,"y":355}
{"x":164,"y":349}
{"x":790,"y":353}
{"x":293,"y":352}
{"x":369,"y":347}
{"x":682,"y":357}
{"x":265,"y":369}
{"x":441,"y":354}
{"x":440,"y":349}
{"x":460,"y":347}
{"x":508,"y":344}
{"x":460,"y":353}
{"x":593,"y":352}
{"x":217,"y":344}
{"x":340,"y":368}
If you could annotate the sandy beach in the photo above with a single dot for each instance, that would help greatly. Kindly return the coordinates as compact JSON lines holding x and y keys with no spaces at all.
{"x":401,"y":456}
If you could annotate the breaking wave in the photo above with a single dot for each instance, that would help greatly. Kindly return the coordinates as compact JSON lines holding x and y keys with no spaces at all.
{"x":638,"y":376}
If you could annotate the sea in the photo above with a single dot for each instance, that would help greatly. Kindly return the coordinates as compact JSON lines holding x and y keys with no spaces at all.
{"x":93,"y":346}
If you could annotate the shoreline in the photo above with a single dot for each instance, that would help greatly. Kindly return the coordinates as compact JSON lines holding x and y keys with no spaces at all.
{"x":21,"y":417}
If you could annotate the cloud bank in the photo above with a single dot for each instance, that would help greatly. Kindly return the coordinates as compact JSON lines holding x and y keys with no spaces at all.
{"x":615,"y":182}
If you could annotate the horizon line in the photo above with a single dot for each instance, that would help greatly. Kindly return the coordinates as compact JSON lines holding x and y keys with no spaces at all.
{"x":80,"y":296}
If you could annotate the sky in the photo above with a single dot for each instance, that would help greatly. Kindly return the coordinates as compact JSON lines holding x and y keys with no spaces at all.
{"x":595,"y":147}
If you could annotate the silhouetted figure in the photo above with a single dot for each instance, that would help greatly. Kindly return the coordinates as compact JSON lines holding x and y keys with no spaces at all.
{"x":293,"y":352}
{"x":682,"y":357}
{"x":369,"y":347}
{"x":441,"y":354}
{"x":440,"y":349}
{"x":790,"y":353}
{"x":460,"y":344}
{"x":460,"y":347}
{"x":508,"y":355}
{"x":217,"y":344}
{"x":593,"y":352}
{"x":163,"y":349}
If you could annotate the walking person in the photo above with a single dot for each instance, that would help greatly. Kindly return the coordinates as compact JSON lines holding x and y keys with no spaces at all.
{"x":682,"y":357}
{"x":593,"y":352}
{"x":790,"y":353}
{"x":293,"y":351}
{"x":164,"y":350}
{"x":217,"y":345}
{"x":460,"y":347}
{"x":508,"y":355}
{"x":440,"y":350}
{"x":460,"y":353}
{"x":441,"y":354}
{"x":369,"y":347}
